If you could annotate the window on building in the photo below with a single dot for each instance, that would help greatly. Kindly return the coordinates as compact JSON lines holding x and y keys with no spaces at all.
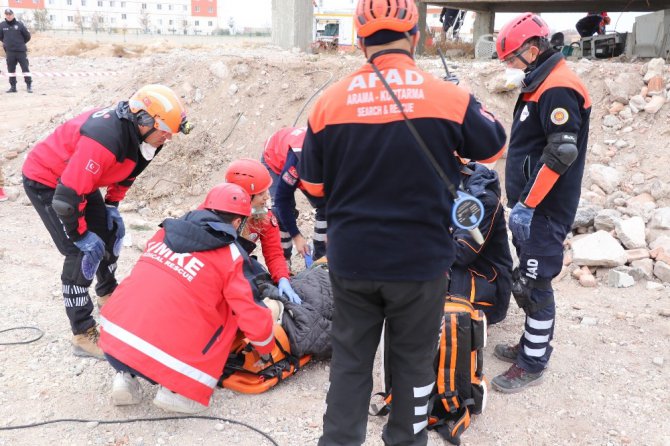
{"x":123,"y":17}
{"x":210,"y":10}
{"x":35,"y":1}
{"x":185,"y":8}
{"x":83,"y":2}
{"x":70,"y":18}
{"x":101,"y":20}
{"x":111,"y":3}
{"x":113,"y":20}
{"x":197,"y":8}
{"x":123,"y":4}
{"x":160,"y":21}
{"x":144,"y":6}
{"x":69,"y":2}
{"x":170,"y":22}
{"x":197,"y":23}
{"x":159,"y":6}
{"x":170,"y":7}
{"x":51,"y":2}
{"x":210,"y":23}
{"x":52,"y":17}
{"x":100,"y":3}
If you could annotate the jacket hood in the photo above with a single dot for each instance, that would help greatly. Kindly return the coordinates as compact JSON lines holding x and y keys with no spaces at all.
{"x":545,"y":66}
{"x":199,"y":230}
{"x":480,"y":178}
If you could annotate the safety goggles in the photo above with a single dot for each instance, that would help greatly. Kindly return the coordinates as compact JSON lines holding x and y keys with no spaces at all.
{"x":509,"y":60}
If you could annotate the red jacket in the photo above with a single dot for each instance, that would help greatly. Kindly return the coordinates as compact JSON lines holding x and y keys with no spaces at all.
{"x":95,"y":149}
{"x":175,"y":316}
{"x":266,"y":230}
{"x":276,"y":147}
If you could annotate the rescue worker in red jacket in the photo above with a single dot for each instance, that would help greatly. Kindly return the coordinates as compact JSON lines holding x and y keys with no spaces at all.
{"x":543,"y":176}
{"x":389,"y":241}
{"x":172,"y":321}
{"x":281,"y":156}
{"x":62,"y":176}
{"x":262,"y":226}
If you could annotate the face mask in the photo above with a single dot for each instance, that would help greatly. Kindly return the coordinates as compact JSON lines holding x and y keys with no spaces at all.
{"x":148,"y":151}
{"x":514,"y":78}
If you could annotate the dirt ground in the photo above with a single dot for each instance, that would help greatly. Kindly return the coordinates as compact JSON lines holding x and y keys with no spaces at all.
{"x":607,"y":383}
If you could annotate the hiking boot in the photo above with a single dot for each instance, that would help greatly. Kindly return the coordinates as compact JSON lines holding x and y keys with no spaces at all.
{"x":125,"y":389}
{"x":173,"y":402}
{"x":12,"y":89}
{"x":29,"y":88}
{"x":3,"y":195}
{"x":102,"y":300}
{"x":86,"y":344}
{"x":515,"y":379}
{"x":507,"y":353}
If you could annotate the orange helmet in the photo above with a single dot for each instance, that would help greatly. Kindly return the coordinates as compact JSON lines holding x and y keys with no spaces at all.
{"x":394,"y":15}
{"x":162,"y":105}
{"x":228,"y":197}
{"x":250,"y":174}
{"x":517,"y":31}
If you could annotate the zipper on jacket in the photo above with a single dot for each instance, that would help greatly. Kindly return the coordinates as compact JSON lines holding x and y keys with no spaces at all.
{"x":211,"y":342}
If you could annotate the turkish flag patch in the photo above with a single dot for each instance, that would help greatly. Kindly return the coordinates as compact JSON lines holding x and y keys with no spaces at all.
{"x":93,"y":167}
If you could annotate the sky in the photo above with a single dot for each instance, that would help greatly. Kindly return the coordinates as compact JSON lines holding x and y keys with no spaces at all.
{"x":561,"y":21}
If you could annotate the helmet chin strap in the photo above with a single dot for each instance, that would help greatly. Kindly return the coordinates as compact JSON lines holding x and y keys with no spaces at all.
{"x":144,"y":137}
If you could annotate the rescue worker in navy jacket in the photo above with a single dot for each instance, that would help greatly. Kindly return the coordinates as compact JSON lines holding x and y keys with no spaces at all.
{"x":543,"y":176}
{"x":388,"y":212}
{"x":14,"y":36}
{"x":62,"y":176}
{"x":483,"y":273}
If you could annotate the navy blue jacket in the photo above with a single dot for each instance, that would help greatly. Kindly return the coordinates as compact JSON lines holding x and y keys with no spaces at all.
{"x":14,"y":36}
{"x":490,"y":262}
{"x":554,"y":100}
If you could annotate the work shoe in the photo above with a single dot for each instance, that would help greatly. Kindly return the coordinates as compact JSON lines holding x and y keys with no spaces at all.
{"x":29,"y":88}
{"x":102,"y":300}
{"x":3,"y":195}
{"x":515,"y":379}
{"x":173,"y":402}
{"x":125,"y":389}
{"x":507,"y":353}
{"x":12,"y":89}
{"x":86,"y":344}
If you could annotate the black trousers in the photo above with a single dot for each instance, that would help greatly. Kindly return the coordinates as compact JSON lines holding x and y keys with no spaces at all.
{"x":412,"y":311}
{"x":20,"y":57}
{"x":78,"y":305}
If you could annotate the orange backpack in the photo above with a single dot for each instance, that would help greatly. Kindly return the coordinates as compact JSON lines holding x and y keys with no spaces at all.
{"x":460,"y":387}
{"x":246,"y":372}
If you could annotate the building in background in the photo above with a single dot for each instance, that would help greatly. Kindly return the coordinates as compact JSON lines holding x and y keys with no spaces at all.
{"x":183,"y":17}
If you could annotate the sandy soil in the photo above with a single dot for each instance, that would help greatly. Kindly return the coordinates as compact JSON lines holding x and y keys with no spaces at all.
{"x":607,"y":383}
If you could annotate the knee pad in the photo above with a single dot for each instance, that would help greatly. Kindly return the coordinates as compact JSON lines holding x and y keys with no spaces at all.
{"x":522,"y":290}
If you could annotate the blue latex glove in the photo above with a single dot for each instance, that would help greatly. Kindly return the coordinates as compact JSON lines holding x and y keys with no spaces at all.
{"x":285,"y":288}
{"x":92,"y":246}
{"x":519,"y":221}
{"x":114,"y":217}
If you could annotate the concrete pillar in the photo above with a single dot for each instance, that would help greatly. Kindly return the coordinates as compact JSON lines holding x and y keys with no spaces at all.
{"x":483,"y":24}
{"x":292,"y":23}
{"x":423,"y":8}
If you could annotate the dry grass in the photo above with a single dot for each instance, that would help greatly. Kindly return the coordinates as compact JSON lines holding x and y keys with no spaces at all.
{"x":466,"y":49}
{"x":79,"y":47}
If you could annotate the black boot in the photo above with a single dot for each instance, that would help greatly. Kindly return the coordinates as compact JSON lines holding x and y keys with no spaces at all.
{"x":29,"y":87}
{"x":12,"y":89}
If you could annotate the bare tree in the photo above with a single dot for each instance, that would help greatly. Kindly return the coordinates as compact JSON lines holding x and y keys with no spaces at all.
{"x":41,"y":19}
{"x":97,"y":20}
{"x":79,"y":21}
{"x":145,"y":21}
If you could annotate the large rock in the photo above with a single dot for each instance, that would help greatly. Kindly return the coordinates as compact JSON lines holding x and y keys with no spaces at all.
{"x":606,"y":219}
{"x":662,"y":271}
{"x":585,"y":216}
{"x":637,"y":104}
{"x":598,"y":249}
{"x":619,"y":279}
{"x":661,"y":242}
{"x":655,"y":67}
{"x":631,"y":232}
{"x":655,"y":104}
{"x":660,"y":219}
{"x":624,"y":86}
{"x":605,"y":177}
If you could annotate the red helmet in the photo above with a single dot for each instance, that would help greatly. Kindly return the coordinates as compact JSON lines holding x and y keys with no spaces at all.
{"x":250,"y":174}
{"x":395,"y":15}
{"x":228,"y":197}
{"x":517,"y":31}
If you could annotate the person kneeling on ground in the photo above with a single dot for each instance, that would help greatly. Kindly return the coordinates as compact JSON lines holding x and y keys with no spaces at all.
{"x":483,"y":273}
{"x":173,"y":319}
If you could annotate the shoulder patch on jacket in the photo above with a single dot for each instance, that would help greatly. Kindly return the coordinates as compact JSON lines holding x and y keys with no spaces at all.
{"x":559,"y":116}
